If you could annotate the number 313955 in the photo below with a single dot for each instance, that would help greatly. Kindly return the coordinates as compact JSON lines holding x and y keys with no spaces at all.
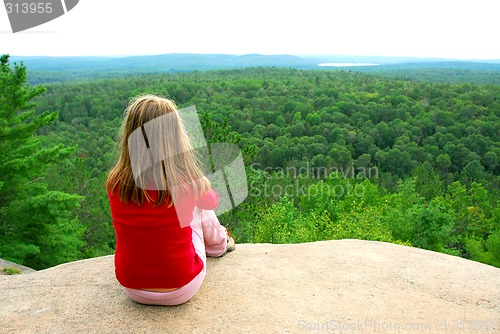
{"x":25,"y":8}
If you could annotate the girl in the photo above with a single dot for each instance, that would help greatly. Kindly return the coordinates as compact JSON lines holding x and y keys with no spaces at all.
{"x":159,"y":260}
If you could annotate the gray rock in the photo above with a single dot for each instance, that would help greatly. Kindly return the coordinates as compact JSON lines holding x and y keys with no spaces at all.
{"x":8,"y":264}
{"x":343,"y":286}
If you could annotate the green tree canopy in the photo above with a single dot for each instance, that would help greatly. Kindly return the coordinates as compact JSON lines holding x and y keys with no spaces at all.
{"x":36,"y":224}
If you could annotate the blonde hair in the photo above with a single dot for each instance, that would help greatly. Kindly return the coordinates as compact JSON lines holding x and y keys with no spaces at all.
{"x":181,"y":166}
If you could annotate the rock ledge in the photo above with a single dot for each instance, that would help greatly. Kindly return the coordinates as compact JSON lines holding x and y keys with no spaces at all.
{"x":342,"y":286}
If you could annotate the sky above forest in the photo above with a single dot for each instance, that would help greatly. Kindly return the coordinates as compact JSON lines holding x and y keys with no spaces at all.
{"x":410,"y":28}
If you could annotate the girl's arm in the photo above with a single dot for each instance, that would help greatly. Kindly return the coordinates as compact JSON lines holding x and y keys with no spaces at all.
{"x":208,"y":201}
{"x":185,"y":203}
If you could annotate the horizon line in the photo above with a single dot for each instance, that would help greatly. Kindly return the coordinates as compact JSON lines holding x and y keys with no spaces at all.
{"x":259,"y":54}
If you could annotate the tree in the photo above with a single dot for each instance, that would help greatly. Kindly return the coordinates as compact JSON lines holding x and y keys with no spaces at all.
{"x":383,"y":135}
{"x":490,"y":161}
{"x":443,"y":163}
{"x":397,"y":162}
{"x":37,"y":224}
{"x":427,"y":182}
{"x":473,"y":171}
{"x":297,"y":117}
{"x":364,"y":161}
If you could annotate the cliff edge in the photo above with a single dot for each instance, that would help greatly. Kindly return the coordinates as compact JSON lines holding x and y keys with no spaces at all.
{"x":4,"y":264}
{"x":341,"y":286}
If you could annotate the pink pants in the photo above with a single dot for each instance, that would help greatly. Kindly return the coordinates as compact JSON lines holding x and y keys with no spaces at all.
{"x":209,"y":239}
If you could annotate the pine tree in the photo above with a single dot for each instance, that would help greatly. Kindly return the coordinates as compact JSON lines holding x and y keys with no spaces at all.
{"x":37,"y":224}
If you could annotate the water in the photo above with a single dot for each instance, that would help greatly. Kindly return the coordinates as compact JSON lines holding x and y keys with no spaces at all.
{"x":347,"y":64}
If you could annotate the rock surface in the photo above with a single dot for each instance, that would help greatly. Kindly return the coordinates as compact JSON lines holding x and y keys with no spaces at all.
{"x":343,"y":286}
{"x":8,"y":264}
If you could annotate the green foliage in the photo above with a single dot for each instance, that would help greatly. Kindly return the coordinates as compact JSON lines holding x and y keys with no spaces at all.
{"x":335,"y":208}
{"x":329,"y":155}
{"x":431,"y":226}
{"x":493,"y":249}
{"x":283,"y":223}
{"x":36,"y":224}
{"x":11,"y":271}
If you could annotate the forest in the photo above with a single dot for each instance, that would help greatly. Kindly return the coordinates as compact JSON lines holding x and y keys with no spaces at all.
{"x":59,"y":69}
{"x":328,"y":155}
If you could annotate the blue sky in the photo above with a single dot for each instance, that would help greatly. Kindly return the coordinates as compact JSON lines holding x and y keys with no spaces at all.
{"x":424,"y":28}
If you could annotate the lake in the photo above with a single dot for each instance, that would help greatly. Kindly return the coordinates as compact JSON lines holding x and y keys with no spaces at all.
{"x":347,"y":64}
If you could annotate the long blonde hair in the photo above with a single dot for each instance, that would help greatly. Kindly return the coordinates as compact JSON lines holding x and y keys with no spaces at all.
{"x":180,"y":167}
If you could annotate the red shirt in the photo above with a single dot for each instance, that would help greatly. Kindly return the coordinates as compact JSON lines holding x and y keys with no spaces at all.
{"x":152,"y":249}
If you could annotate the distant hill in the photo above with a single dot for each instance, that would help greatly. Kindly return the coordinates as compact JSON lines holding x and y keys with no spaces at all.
{"x":439,"y":71}
{"x":57,"y":69}
{"x":164,"y":63}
